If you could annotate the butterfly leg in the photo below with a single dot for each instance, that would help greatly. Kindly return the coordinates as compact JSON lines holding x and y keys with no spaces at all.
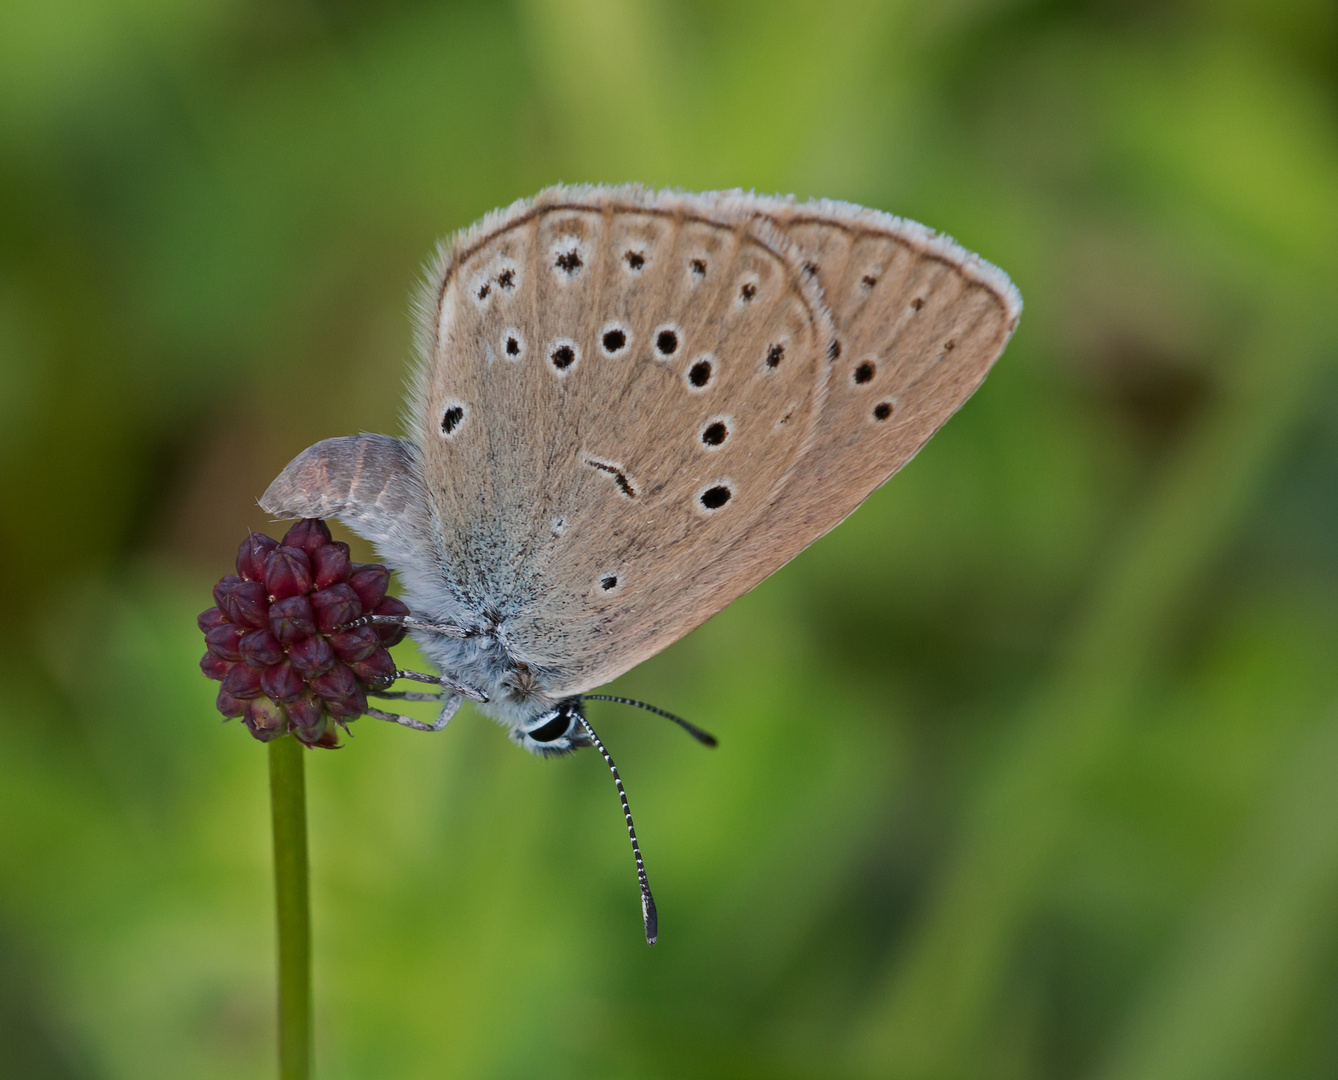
{"x":400,"y":695}
{"x":442,"y":681}
{"x":408,"y":622}
{"x":448,"y":710}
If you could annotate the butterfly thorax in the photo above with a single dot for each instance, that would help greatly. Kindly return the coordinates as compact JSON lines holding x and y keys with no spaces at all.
{"x":534,"y":718}
{"x":516,"y":691}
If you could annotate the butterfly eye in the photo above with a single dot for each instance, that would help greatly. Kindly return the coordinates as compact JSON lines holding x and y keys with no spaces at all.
{"x":552,"y":726}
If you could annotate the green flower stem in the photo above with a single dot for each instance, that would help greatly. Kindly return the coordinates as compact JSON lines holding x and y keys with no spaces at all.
{"x":288,"y":798}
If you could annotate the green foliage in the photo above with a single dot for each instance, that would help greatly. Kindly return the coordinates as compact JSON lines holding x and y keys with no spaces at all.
{"x":1026,"y":771}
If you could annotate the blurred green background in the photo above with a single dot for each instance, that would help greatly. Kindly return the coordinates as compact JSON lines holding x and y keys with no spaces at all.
{"x":1029,"y":770}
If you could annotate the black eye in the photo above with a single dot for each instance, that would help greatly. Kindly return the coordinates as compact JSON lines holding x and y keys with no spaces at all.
{"x":666,"y":341}
{"x":553,"y":730}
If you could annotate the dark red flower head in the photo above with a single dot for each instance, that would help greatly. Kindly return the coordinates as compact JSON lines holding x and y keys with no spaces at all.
{"x":277,"y":636}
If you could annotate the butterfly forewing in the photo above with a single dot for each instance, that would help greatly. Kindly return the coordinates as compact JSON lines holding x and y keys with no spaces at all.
{"x":617,"y":386}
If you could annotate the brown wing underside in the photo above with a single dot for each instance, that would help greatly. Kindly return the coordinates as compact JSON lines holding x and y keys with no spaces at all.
{"x":569,"y":485}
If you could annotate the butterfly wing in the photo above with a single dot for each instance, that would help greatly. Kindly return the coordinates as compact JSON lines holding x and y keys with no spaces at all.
{"x":634,"y":406}
{"x":920,"y":321}
{"x":616,"y":385}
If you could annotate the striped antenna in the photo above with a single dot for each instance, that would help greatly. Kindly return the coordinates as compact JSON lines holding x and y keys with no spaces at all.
{"x":648,"y":914}
{"x":703,"y":737}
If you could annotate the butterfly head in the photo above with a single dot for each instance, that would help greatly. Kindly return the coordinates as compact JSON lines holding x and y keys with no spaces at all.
{"x":554,"y":731}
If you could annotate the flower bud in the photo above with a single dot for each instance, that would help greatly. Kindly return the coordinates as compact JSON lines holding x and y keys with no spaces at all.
{"x":246,"y":604}
{"x":335,"y":607}
{"x":328,"y":740}
{"x":223,"y":641}
{"x":330,"y":564}
{"x":281,"y":683}
{"x":292,"y":619}
{"x":242,"y":682}
{"x":356,"y":644}
{"x":376,"y":670}
{"x":215,"y":667}
{"x":251,"y":556}
{"x":225,"y":586}
{"x":308,"y":534}
{"x":260,"y":648}
{"x":335,"y":685}
{"x":312,"y":656}
{"x":287,"y":572}
{"x":228,"y":705}
{"x":265,"y":719}
{"x":306,"y":711}
{"x":370,"y":582}
{"x":209,"y":618}
{"x":390,"y":633}
{"x":349,"y":708}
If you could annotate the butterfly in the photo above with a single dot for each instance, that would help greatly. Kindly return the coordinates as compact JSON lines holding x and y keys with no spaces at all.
{"x":630,"y":407}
